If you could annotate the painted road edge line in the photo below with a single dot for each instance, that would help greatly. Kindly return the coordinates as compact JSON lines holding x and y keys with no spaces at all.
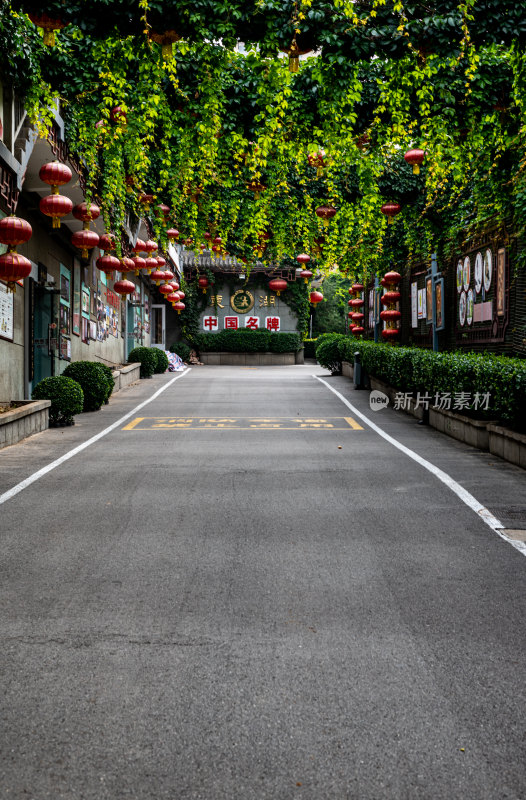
{"x":54,"y":464}
{"x":450,"y":482}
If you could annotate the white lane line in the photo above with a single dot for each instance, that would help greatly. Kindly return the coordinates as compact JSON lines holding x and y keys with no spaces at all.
{"x":41,"y":472}
{"x":452,"y":484}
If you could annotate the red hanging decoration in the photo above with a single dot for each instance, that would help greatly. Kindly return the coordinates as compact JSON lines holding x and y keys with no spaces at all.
{"x":85,"y":240}
{"x":277,"y":285}
{"x":172,"y":234}
{"x":139,"y":263}
{"x":203,"y":283}
{"x":179,"y":306}
{"x":317,"y":160}
{"x":107,"y":242}
{"x":315,"y":297}
{"x":107,"y":264}
{"x":157,"y":276}
{"x":391,"y":210}
{"x":166,"y":288}
{"x":390,"y":315}
{"x":13,"y":268}
{"x":124,"y":287}
{"x":415,"y":158}
{"x":127,"y":264}
{"x":14,"y":231}
{"x":356,"y":314}
{"x":306,"y":274}
{"x":48,"y":25}
{"x":325,"y":213}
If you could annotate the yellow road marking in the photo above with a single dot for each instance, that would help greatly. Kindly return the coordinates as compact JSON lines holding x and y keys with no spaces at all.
{"x":132,"y":425}
{"x":354,"y":425}
{"x":251,"y":423}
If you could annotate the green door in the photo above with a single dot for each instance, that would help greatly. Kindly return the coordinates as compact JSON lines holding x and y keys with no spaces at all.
{"x":45,"y":334}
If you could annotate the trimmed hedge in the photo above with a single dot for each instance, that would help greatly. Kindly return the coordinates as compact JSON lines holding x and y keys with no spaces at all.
{"x":412,"y":369}
{"x":144,"y":357}
{"x":66,"y":395}
{"x":111,"y":381}
{"x":329,"y":351}
{"x":182,"y":350}
{"x":161,"y":360}
{"x":92,"y":377}
{"x":245,"y":340}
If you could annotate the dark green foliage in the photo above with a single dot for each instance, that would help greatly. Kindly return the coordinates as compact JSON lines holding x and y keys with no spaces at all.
{"x":161,"y":360}
{"x":111,"y":381}
{"x":144,"y":357}
{"x":415,"y":370}
{"x":245,"y":340}
{"x":181,"y":349}
{"x":309,"y":348}
{"x":329,"y":351}
{"x":66,"y":395}
{"x":285,"y":342}
{"x":92,"y":378}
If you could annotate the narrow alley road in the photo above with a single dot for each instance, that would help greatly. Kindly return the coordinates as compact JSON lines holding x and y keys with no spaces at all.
{"x":243,"y":592}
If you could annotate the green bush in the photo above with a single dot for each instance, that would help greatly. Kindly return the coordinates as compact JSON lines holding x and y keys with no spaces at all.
{"x":111,"y":381}
{"x":309,"y":347}
{"x":144,"y":357}
{"x":66,"y":395}
{"x":93,"y":380}
{"x":285,"y":342}
{"x":245,"y":340}
{"x":161,"y":360}
{"x":181,"y":349}
{"x":411,"y":369}
{"x":330,"y":351}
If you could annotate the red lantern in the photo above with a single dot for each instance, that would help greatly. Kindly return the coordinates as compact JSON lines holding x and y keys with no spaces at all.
{"x":163,"y":209}
{"x":139,"y":263}
{"x":218,"y":240}
{"x":166,"y":39}
{"x":157,"y":276}
{"x":56,"y":206}
{"x":139,"y":246}
{"x":391,"y":210}
{"x":86,"y":212}
{"x":173,"y":297}
{"x":317,"y":160}
{"x":179,"y":306}
{"x":315,"y":297}
{"x":124,"y":287}
{"x":85,"y":240}
{"x":175,"y":285}
{"x":303,"y":258}
{"x":181,"y":295}
{"x":357,"y":330}
{"x":172,"y":234}
{"x":55,"y":173}
{"x":49,"y":26}
{"x":166,"y":288}
{"x":415,"y":158}
{"x":306,"y":274}
{"x":127,"y":264}
{"x":325,"y":213}
{"x":151,"y":264}
{"x":107,"y":242}
{"x":203,"y":283}
{"x":356,"y":287}
{"x":150,"y":246}
{"x":277,"y":285}
{"x":256,"y":187}
{"x":391,"y":315}
{"x":14,"y":230}
{"x":107,"y":264}
{"x":13,"y":268}
{"x":161,"y":262}
{"x":118,"y":115}
{"x":146,"y":200}
{"x":168,"y":275}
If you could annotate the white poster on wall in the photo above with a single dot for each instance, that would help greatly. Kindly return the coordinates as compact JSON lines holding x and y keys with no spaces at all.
{"x":6,"y":313}
{"x":414,"y":305}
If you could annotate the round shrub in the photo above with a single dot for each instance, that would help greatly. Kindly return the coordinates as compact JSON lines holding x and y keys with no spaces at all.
{"x":161,"y":360}
{"x":111,"y":380}
{"x":181,"y":349}
{"x":329,"y":351}
{"x":92,"y":378}
{"x":66,"y":395}
{"x":144,"y":357}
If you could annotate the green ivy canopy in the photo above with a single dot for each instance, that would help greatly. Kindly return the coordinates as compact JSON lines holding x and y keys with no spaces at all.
{"x":243,"y":148}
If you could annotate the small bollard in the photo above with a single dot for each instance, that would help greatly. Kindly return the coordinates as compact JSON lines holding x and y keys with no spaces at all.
{"x":357,"y":371}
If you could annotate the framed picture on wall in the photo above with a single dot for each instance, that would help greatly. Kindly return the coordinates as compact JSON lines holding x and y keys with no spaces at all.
{"x":429,"y":300}
{"x":501,"y":282}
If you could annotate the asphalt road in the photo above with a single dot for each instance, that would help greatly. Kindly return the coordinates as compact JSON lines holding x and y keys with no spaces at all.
{"x":242,"y":592}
